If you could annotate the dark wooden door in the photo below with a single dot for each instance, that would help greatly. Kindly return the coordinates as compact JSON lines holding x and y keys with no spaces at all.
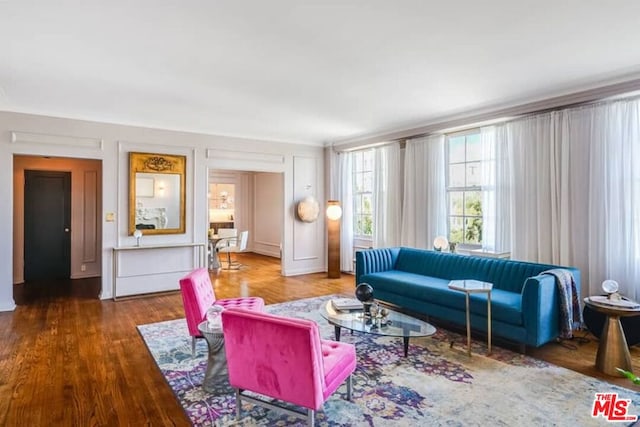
{"x":47,"y":225}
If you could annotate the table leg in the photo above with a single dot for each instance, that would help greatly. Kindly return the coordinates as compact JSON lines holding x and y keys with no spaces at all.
{"x":216,"y":377}
{"x":337,"y":332}
{"x":405,"y":342}
{"x":488,"y":323}
{"x":468,"y":324}
{"x":613,"y":351}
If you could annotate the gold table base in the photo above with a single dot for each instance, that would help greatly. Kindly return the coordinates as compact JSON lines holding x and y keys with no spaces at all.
{"x":613,"y":351}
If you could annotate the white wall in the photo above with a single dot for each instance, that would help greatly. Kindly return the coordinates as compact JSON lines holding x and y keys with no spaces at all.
{"x":268,"y":195}
{"x":307,"y":182}
{"x":47,"y":136}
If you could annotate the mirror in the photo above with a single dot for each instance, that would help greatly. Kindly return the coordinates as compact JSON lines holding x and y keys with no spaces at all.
{"x":156,"y":193}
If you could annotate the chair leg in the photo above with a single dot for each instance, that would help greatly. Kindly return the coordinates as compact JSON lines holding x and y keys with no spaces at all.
{"x":349,"y":387}
{"x":193,"y":346}
{"x":311,"y":417}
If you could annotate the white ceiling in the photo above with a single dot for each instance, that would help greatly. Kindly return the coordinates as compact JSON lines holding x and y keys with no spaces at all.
{"x":305,"y":71}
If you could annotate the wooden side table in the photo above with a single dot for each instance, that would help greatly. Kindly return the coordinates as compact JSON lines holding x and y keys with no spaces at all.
{"x":216,"y":378}
{"x":613,"y":351}
{"x":474,"y":287}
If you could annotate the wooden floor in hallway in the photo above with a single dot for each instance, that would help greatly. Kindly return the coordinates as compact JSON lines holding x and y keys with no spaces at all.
{"x":69,"y":358}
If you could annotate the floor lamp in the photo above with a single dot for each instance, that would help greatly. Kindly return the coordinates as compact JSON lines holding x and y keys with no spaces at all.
{"x":334,"y":212}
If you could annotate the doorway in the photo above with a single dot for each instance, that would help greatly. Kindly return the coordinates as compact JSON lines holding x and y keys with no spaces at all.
{"x":57,"y":228}
{"x":47,"y":222}
{"x":250,"y":201}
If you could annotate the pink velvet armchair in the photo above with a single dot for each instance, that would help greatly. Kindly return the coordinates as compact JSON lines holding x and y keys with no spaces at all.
{"x":198,"y":296}
{"x":285,"y":359}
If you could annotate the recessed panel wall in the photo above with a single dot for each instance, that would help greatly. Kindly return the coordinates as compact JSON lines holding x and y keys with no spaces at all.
{"x":268,"y":202}
{"x":306,"y":235}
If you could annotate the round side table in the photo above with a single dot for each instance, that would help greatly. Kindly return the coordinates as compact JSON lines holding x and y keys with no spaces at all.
{"x":613,"y":351}
{"x":216,"y":377}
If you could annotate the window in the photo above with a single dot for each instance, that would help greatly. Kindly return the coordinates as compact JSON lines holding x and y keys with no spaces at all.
{"x":464,"y":188}
{"x":362,"y":193}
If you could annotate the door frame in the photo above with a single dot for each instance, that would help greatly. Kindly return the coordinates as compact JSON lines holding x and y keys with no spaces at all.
{"x":83,"y":171}
{"x":64,"y":238}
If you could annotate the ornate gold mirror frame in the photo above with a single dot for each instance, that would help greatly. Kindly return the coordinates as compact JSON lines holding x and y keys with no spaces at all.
{"x":157,"y":193}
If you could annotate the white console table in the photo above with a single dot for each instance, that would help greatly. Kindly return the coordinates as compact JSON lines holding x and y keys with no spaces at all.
{"x":146,"y":269}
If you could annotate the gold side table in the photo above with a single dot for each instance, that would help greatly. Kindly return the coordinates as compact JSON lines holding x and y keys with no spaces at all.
{"x":613,"y":351}
{"x":474,"y":287}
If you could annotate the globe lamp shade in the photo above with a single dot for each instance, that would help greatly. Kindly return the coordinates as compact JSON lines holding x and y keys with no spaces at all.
{"x":334,"y":211}
{"x":440,"y":243}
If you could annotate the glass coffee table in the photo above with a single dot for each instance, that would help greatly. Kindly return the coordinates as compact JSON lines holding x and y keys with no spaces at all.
{"x":394,"y":324}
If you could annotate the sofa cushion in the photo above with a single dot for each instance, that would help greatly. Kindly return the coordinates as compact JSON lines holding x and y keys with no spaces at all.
{"x":506,"y":306}
{"x":508,"y":275}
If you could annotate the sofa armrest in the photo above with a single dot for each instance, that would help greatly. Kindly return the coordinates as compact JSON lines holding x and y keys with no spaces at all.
{"x":375,"y":260}
{"x":540,"y":309}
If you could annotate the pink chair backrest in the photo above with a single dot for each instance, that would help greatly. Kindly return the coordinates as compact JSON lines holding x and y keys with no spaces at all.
{"x":276,"y":356}
{"x":197,"y":297}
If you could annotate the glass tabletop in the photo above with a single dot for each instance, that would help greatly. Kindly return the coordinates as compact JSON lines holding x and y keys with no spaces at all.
{"x":395,"y":324}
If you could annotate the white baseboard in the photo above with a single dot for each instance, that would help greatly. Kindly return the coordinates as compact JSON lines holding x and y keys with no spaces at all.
{"x":274,"y":254}
{"x":7,"y":306}
{"x":300,"y":271}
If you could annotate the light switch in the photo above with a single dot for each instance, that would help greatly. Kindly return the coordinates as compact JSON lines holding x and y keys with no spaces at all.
{"x":110,"y":217}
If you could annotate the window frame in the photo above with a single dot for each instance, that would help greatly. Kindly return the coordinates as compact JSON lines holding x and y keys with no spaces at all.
{"x":357,"y":210}
{"x":463,"y":189}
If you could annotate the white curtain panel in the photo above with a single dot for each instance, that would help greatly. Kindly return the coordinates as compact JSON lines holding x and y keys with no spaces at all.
{"x":334,"y":175}
{"x":614,"y":192}
{"x":574,"y":191}
{"x":490,"y":205}
{"x":539,"y":191}
{"x":424,"y":205}
{"x":387,"y":196}
{"x":345,"y":195}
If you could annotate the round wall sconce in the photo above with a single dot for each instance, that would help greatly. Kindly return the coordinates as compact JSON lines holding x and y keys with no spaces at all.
{"x":308,"y":209}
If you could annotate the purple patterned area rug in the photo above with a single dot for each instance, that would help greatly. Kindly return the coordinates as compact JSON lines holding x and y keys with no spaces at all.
{"x":435,"y":385}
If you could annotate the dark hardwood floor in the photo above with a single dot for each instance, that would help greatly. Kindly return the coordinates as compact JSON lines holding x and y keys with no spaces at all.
{"x":68,"y":358}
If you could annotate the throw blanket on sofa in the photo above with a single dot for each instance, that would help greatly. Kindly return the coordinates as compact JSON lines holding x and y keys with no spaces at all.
{"x":570,"y":313}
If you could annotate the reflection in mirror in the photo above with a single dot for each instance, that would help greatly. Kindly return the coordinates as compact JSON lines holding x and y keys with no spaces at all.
{"x":156,"y":198}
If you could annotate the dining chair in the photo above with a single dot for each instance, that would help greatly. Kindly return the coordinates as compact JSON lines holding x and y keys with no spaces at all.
{"x":234,"y":245}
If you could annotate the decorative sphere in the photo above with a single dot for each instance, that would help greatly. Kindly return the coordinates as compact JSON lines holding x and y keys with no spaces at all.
{"x":610,"y":286}
{"x":364,"y":292}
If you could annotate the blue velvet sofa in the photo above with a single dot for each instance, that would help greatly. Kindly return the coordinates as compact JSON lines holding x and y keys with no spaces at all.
{"x":524,"y":303}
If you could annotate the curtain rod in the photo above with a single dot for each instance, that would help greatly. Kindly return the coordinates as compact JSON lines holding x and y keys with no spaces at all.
{"x":469,"y":121}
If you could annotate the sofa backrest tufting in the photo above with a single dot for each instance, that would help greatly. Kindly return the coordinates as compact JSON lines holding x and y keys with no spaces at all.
{"x":508,"y":275}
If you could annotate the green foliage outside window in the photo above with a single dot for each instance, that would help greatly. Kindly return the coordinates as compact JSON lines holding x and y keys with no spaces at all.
{"x":363,"y":188}
{"x":464,"y":191}
{"x":473,"y":230}
{"x":466,"y":226}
